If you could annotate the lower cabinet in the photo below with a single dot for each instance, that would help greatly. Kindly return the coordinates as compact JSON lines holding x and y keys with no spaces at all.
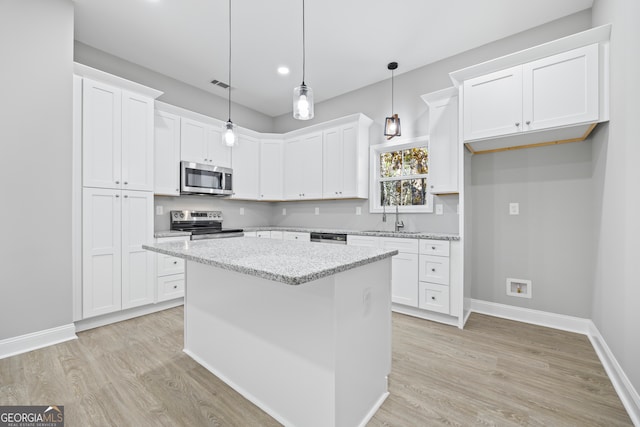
{"x":297,"y":235}
{"x":434,"y":297}
{"x":434,"y":274}
{"x":116,"y":272}
{"x":170,"y":273}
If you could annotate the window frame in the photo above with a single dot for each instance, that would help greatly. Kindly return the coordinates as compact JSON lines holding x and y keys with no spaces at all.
{"x":375,"y":180}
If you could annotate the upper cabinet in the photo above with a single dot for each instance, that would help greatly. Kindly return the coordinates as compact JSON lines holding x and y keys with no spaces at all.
{"x":344,"y":171}
{"x":117,"y":137}
{"x":271,"y":169}
{"x":246,"y":168}
{"x":549,"y":94}
{"x":167,"y":154}
{"x":443,"y":141}
{"x":303,"y":167}
{"x":202,"y":143}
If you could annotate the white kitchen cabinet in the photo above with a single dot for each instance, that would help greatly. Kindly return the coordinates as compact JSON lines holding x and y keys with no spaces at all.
{"x":303,"y":167}
{"x":434,"y":269}
{"x":117,"y":272}
{"x":101,"y":251}
{"x":434,"y":297}
{"x":202,"y":143}
{"x":271,"y":172}
{"x":276,"y":235}
{"x":170,"y":276}
{"x":444,"y":145}
{"x":246,"y":168}
{"x":138,"y":267}
{"x":250,"y":234}
{"x":299,"y":236}
{"x":344,"y":171}
{"x":167,"y":154}
{"x":117,"y":137}
{"x":556,"y":91}
{"x":264,"y":234}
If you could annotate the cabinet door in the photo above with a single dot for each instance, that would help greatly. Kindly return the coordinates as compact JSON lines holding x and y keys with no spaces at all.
{"x":101,"y":135}
{"x":293,"y":164}
{"x":404,"y":279}
{"x":561,"y":90}
{"x":193,"y":141}
{"x":167,"y":154}
{"x":493,"y":104}
{"x":101,"y":251}
{"x":311,"y":165}
{"x":218,"y":153}
{"x":443,"y":146}
{"x":333,"y":165}
{"x":350,"y":162}
{"x":246,"y":168}
{"x":138,"y":268}
{"x":137,"y":142}
{"x":271,"y":178}
{"x":366,"y":241}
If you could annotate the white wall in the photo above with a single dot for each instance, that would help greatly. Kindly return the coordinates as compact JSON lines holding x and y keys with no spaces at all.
{"x":36,"y":47}
{"x":616,"y":151}
{"x":175,"y":92}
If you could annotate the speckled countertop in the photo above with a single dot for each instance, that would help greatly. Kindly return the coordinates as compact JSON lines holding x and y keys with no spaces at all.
{"x":170,"y":233}
{"x":285,"y":261}
{"x":378,"y":233}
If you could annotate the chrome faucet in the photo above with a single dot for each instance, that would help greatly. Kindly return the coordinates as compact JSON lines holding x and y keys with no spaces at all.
{"x":398,"y":224}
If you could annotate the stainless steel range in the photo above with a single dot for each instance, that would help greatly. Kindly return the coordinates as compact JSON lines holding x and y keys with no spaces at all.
{"x":202,"y":224}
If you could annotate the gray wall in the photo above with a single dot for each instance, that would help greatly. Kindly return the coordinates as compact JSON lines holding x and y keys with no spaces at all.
{"x":35,"y":136}
{"x":175,"y":92}
{"x":616,"y":197}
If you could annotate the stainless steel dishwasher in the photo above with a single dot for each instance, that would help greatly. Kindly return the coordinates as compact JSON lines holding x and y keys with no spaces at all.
{"x":334,"y":238}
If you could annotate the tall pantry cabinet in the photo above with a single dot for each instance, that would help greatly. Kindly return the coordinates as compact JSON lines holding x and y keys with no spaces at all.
{"x":117,"y":125}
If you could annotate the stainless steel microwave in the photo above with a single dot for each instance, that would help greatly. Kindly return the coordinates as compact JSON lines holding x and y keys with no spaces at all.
{"x":196,"y":178}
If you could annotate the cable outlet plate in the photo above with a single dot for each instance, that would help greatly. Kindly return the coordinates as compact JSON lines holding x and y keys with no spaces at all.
{"x":518,"y":288}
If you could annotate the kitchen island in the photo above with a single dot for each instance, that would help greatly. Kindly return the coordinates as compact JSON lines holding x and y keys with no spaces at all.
{"x":302,"y":330}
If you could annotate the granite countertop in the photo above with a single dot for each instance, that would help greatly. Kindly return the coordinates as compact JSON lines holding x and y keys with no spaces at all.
{"x":285,"y":261}
{"x":378,"y":233}
{"x":170,"y":233}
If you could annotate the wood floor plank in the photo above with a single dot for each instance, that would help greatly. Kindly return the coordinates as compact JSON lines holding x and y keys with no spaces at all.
{"x":494,"y":373}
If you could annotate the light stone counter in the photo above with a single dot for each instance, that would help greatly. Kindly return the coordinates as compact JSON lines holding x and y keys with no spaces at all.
{"x":288,"y":262}
{"x":377,"y":233}
{"x":170,"y":233}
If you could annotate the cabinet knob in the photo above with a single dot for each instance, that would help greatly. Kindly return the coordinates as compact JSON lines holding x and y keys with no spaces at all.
{"x":117,"y":182}
{"x":206,"y":160}
{"x":125,"y":183}
{"x":433,"y":269}
{"x":433,"y":247}
{"x":517,"y":123}
{"x":177,"y":190}
{"x":117,"y":195}
{"x":175,"y":286}
{"x":175,"y":262}
{"x":528,"y":122}
{"x":125,"y":196}
{"x":433,"y":298}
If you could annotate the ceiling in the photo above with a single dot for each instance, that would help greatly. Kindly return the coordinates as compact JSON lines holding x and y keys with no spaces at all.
{"x":348,"y":42}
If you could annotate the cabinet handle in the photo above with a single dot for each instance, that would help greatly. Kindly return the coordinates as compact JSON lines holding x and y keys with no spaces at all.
{"x":517,"y":123}
{"x":528,"y":122}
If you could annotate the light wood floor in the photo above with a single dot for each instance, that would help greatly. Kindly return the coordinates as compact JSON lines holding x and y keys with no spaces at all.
{"x":495,"y":372}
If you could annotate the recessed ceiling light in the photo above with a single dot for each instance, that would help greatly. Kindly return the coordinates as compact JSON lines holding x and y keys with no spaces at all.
{"x":283,"y":70}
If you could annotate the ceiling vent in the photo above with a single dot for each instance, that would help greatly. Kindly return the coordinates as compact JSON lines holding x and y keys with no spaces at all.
{"x":223,"y":85}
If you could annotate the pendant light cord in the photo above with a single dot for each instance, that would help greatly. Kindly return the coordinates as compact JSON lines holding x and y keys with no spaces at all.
{"x":229,"y":60}
{"x":392,"y":92}
{"x":304,"y":57}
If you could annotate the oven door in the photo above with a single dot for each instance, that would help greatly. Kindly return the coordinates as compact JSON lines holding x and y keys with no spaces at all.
{"x":196,"y":178}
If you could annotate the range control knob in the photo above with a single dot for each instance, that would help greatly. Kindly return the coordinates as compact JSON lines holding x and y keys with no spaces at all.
{"x":181,"y":215}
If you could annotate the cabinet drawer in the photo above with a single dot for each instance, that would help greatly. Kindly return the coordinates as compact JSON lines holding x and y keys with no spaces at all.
{"x":276,"y":235}
{"x":434,"y":297}
{"x":407,"y":246}
{"x":434,"y":269}
{"x":170,"y":287}
{"x":250,"y":234}
{"x":368,"y":241}
{"x":169,"y":265}
{"x":434,"y":247}
{"x":297,"y":235}
{"x":263,"y":234}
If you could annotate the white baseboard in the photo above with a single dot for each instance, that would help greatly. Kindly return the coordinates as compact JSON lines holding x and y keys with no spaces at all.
{"x":535,"y":317}
{"x":33,"y":341}
{"x":627,"y":393}
{"x":119,"y":316}
{"x":425,"y":314}
{"x":625,"y":390}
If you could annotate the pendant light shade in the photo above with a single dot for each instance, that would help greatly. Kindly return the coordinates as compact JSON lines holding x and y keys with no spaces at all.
{"x":303,"y":94}
{"x":392,"y":124}
{"x":229,"y":128}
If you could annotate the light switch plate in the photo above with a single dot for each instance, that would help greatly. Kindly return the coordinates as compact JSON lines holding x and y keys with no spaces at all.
{"x":317,"y":211}
{"x":358,"y":210}
{"x":284,"y":211}
{"x":241,"y":211}
{"x":439,"y":210}
{"x":514,"y":208}
{"x":159,"y":210}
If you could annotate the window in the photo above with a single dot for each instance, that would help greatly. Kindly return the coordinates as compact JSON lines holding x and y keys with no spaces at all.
{"x":400,"y":173}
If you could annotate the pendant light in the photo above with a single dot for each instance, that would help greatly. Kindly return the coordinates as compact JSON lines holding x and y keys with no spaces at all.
{"x":229,"y":128}
{"x":392,"y":124}
{"x":303,"y":94}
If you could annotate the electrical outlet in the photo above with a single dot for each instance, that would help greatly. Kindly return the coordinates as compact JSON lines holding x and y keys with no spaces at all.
{"x":439,"y":210}
{"x":358,"y":210}
{"x":514,"y":208}
{"x":241,"y":211}
{"x":159,"y":210}
{"x":317,"y":211}
{"x":284,"y":211}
